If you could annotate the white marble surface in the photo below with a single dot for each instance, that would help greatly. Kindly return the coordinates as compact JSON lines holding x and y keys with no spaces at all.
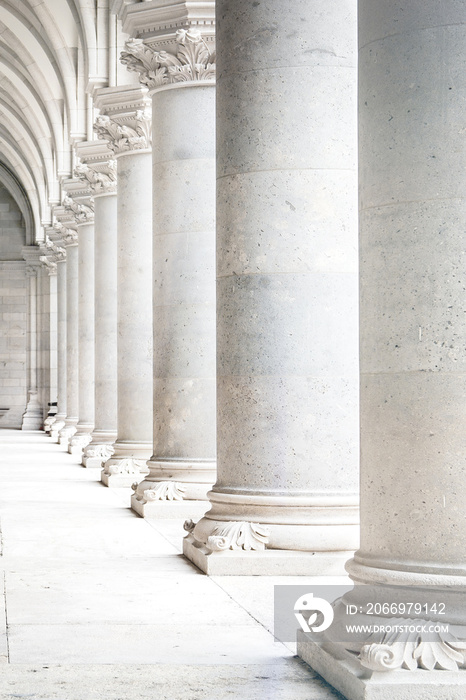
{"x":93,"y":591}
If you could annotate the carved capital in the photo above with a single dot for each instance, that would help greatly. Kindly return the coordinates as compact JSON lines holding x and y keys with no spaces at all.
{"x":100,"y":177}
{"x":134,"y":135}
{"x":82,"y":213}
{"x":31,"y":270}
{"x":68,"y":235}
{"x":191,"y":62}
{"x":50,"y":264}
{"x":54,"y":252}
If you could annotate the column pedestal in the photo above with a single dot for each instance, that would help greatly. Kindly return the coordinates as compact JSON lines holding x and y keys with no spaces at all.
{"x":127,"y":465}
{"x":99,"y":450}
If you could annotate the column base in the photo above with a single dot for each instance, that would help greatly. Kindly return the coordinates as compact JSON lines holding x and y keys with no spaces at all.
{"x":355,"y":682}
{"x":128,"y":464}
{"x":96,"y":454}
{"x":48,"y":422}
{"x":78,"y":442}
{"x":175,"y":492}
{"x":268,"y":562}
{"x":32,"y":417}
{"x":67,"y":432}
{"x":167,"y":509}
{"x":55,"y":428}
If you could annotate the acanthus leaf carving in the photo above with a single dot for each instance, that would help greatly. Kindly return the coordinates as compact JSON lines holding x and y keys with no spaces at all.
{"x":410,"y":650}
{"x":238,"y":535}
{"x":82,"y":213}
{"x":122,"y":138}
{"x":128,"y":465}
{"x":80,"y":440}
{"x":55,"y":253}
{"x":100,"y":181}
{"x":69,"y":236}
{"x":165,"y":491}
{"x":102,"y":452}
{"x":193,"y":61}
{"x":50,"y":264}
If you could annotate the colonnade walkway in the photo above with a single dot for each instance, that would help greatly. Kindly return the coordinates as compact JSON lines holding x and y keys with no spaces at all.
{"x":99,"y":603}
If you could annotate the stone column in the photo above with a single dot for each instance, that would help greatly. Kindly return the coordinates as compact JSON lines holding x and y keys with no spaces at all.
{"x":47,"y":345}
{"x":79,"y":202}
{"x":183,"y":464}
{"x":287,"y":385}
{"x":60,"y":416}
{"x":127,"y":131}
{"x":100,"y":171}
{"x":413,"y":384}
{"x":70,"y":242}
{"x":32,"y":417}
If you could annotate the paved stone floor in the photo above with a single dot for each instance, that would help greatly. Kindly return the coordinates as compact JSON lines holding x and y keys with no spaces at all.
{"x":98,"y":603}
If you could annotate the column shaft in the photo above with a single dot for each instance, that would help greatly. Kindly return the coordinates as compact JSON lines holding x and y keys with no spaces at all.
{"x":105,"y":268}
{"x":61,"y":349}
{"x":72,"y":345}
{"x":86,"y":301}
{"x":32,"y":418}
{"x":50,"y":403}
{"x":134,"y":274}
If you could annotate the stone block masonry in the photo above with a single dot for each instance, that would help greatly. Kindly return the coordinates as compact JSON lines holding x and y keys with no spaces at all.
{"x":13,"y":313}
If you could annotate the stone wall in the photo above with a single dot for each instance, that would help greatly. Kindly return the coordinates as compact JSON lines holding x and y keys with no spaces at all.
{"x":13,"y":313}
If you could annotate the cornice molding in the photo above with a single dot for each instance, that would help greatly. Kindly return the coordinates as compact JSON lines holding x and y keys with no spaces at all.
{"x":31,"y":254}
{"x":120,"y":101}
{"x":157,"y":21}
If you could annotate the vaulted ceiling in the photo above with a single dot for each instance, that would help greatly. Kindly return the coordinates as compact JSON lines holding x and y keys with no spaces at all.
{"x":52,"y":52}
